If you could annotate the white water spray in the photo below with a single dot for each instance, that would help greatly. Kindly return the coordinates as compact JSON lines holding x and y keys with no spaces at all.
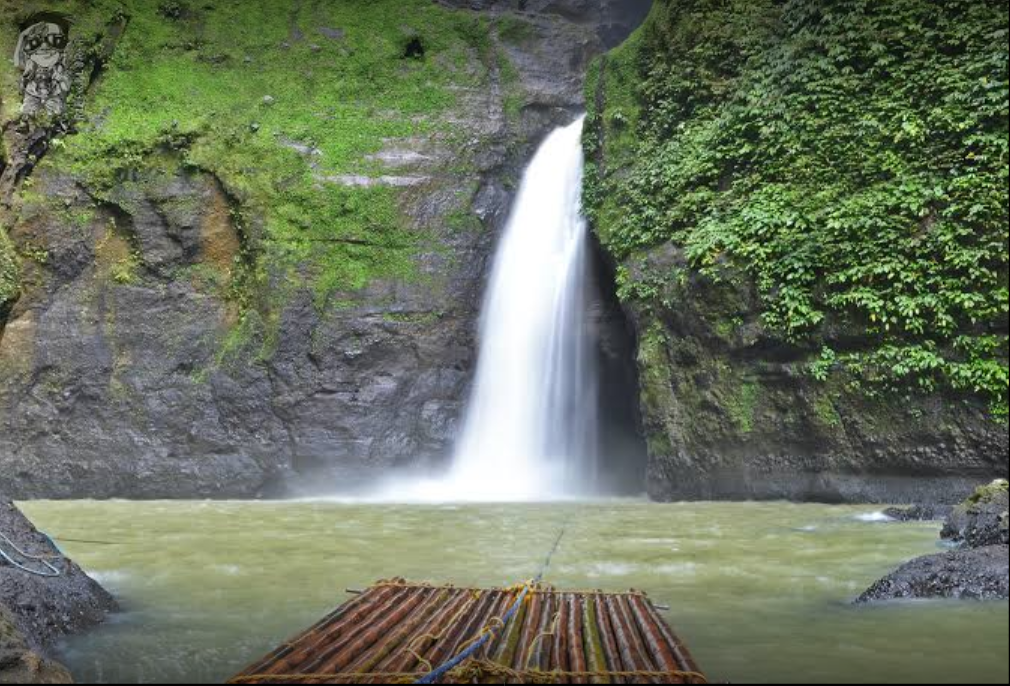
{"x":530,"y":427}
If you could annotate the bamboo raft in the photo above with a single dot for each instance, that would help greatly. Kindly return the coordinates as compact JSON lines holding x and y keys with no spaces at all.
{"x":398,"y":632}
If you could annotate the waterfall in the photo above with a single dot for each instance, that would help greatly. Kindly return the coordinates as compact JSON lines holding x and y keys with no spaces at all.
{"x":530,"y":427}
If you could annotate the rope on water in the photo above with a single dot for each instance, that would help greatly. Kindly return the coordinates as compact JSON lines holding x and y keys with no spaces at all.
{"x":49,"y":570}
{"x":550,"y":556}
{"x":490,"y":632}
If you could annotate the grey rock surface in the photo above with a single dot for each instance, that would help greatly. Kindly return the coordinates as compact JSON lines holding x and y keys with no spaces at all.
{"x":919,"y":513}
{"x":733,"y":413}
{"x":976,"y":574}
{"x":978,"y":570}
{"x":982,"y":519}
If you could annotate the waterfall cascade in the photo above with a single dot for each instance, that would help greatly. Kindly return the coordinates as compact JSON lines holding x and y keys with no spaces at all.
{"x":529,"y":431}
{"x":530,"y":427}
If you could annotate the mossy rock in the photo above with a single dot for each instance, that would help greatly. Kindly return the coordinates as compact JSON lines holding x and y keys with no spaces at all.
{"x":981,"y":520}
{"x":9,"y":271}
{"x":989,"y":493}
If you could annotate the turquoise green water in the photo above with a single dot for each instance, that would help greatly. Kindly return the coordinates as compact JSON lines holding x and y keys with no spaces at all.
{"x":760,"y":592}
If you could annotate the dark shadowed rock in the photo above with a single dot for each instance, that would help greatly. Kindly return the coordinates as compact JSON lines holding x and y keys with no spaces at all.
{"x":919,"y":513}
{"x":982,"y":519}
{"x":19,"y":664}
{"x":979,"y":574}
{"x":35,"y":612}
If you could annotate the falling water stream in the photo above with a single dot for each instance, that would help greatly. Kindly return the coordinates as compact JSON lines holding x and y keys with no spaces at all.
{"x":530,"y":427}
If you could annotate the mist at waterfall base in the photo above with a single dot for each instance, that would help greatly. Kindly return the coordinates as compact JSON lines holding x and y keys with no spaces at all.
{"x":530,"y":428}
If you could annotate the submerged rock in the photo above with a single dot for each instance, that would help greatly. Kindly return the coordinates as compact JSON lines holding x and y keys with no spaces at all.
{"x":978,"y":574}
{"x":982,"y":519}
{"x":919,"y":513}
{"x":37,"y":611}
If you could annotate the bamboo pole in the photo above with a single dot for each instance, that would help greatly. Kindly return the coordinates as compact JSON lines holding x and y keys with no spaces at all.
{"x":684,"y":657}
{"x":540,"y":652}
{"x":493,"y":624}
{"x":287,"y":647}
{"x":576,"y":640}
{"x":560,"y":642}
{"x":345,"y":628}
{"x":402,"y":631}
{"x":337,"y":657}
{"x":530,"y":630}
{"x":448,"y":648}
{"x":639,"y":648}
{"x":435,"y":630}
{"x":508,"y":645}
{"x":609,"y":638}
{"x":596,"y":659}
{"x":659,"y":649}
{"x":630,"y":650}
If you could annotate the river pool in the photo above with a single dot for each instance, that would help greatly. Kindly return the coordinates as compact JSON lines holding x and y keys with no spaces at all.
{"x":759,"y":592}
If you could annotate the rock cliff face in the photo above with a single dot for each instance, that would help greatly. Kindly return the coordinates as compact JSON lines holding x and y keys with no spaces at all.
{"x":237,"y":302}
{"x":805,"y":329}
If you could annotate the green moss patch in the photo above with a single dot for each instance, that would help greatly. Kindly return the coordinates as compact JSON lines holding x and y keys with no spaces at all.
{"x":279,"y":100}
{"x":10,"y":271}
{"x":851,"y":158}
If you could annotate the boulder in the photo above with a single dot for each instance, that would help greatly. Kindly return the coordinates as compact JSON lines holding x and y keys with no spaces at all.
{"x":982,"y":519}
{"x":976,"y":574}
{"x":977,"y":570}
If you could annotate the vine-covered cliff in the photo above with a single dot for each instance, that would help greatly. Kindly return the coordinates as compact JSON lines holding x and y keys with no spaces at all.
{"x":807,"y":204}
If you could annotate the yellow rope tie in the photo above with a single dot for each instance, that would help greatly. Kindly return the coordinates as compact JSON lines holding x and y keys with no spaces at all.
{"x":552,"y":632}
{"x":412,"y":646}
{"x":421,"y":661}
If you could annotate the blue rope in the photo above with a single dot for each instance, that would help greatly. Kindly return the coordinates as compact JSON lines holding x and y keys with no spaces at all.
{"x":50,"y":570}
{"x":436,"y":675}
{"x":52,"y":542}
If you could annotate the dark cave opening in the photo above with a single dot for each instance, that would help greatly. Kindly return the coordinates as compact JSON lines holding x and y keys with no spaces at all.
{"x":622,"y":448}
{"x":414,"y":49}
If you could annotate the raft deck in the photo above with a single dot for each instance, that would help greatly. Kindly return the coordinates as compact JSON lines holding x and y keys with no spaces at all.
{"x":399,"y":632}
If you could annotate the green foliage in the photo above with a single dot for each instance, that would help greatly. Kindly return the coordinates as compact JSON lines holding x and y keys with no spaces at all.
{"x":851,"y":157}
{"x":124,"y":271}
{"x":279,"y":110}
{"x":741,"y":405}
{"x":10,"y":272}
